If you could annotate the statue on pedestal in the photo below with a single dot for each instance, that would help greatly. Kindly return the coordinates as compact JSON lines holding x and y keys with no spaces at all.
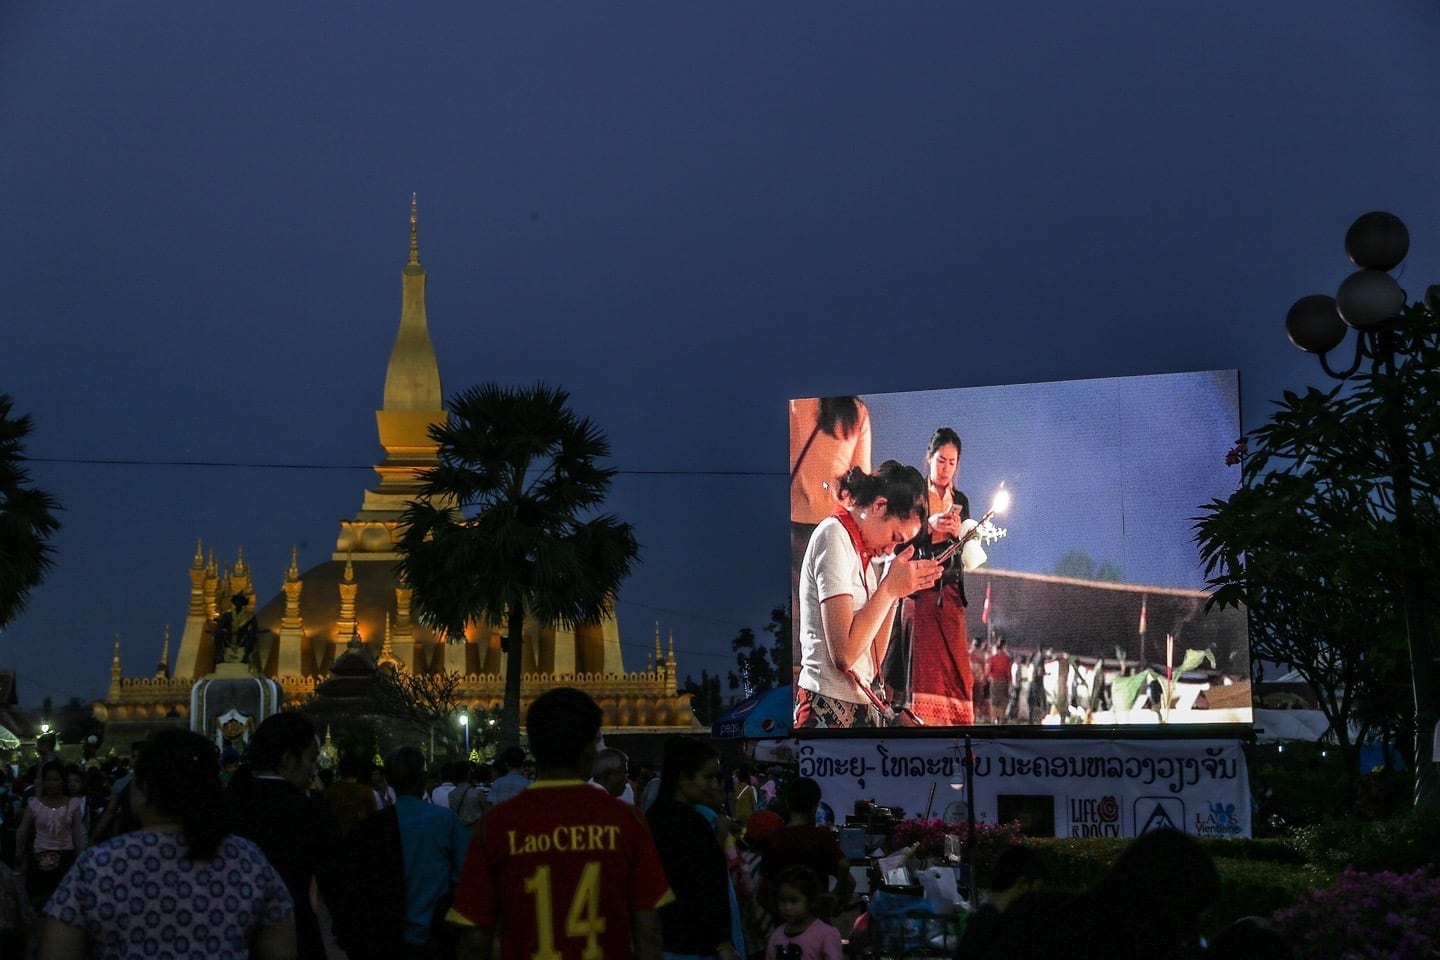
{"x":235,"y":632}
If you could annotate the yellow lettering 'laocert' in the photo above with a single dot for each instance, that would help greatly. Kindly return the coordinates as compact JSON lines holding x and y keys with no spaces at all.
{"x":579,"y":838}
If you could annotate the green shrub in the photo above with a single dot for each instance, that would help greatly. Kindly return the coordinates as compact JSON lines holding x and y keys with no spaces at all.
{"x":1256,"y":876}
{"x":1268,"y":850}
{"x":1260,"y":877}
{"x":1258,"y":888}
{"x":1408,"y":842}
{"x":1076,"y":864}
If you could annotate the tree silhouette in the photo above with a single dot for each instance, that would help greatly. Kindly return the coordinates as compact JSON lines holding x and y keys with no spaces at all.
{"x":761,"y":665}
{"x":1079,"y":565}
{"x":704,"y":696}
{"x":27,"y":519}
{"x":1309,"y":542}
{"x":505,"y":525}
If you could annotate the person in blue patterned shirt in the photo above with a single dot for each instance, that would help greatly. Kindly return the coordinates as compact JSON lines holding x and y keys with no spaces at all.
{"x":180,"y":887}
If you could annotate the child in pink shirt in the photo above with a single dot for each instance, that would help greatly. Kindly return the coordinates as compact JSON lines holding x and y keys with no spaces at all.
{"x":801,"y":935}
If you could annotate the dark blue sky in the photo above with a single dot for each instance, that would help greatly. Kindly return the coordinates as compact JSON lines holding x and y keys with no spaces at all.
{"x":1113,"y":468}
{"x":683,"y":213}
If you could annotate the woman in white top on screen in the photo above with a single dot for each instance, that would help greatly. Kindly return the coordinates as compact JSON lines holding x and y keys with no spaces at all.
{"x":828,"y":436}
{"x":850,"y":584}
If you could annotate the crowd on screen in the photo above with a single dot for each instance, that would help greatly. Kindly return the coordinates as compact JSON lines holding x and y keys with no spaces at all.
{"x":1049,"y":685}
{"x":1039,"y":685}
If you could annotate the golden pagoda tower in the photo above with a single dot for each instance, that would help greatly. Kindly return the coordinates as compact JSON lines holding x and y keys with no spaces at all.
{"x":355,"y":595}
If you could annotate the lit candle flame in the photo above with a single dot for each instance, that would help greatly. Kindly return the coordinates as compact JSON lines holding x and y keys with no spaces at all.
{"x":1001,"y":503}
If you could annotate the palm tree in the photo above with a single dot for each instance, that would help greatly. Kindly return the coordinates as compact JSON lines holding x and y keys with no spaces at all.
{"x":27,"y":519}
{"x":505,"y":524}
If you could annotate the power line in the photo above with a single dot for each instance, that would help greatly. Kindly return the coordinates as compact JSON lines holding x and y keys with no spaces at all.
{"x":259,"y":465}
{"x":679,"y":613}
{"x":104,"y":462}
{"x":236,"y":464}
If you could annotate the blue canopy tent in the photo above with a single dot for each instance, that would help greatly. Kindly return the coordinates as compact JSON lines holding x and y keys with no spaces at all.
{"x":765,"y":716}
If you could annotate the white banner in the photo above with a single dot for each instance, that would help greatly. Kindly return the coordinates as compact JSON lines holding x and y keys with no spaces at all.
{"x":1075,"y":788}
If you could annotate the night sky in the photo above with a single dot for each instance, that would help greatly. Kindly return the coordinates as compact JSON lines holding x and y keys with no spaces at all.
{"x":682,"y":213}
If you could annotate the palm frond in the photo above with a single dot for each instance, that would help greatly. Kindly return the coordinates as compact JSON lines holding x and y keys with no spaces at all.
{"x":504,"y":517}
{"x":28,"y":524}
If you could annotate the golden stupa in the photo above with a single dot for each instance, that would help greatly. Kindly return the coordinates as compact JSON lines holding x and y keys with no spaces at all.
{"x":319,"y":613}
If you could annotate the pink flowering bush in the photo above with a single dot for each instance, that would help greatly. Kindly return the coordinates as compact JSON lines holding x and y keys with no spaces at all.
{"x":1366,"y":916}
{"x":928,"y":836}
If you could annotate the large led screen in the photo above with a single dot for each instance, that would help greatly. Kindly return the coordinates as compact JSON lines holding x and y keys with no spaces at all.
{"x":1053,"y":578}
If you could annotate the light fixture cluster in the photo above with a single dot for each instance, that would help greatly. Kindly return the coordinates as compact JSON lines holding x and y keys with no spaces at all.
{"x":1367,"y":299}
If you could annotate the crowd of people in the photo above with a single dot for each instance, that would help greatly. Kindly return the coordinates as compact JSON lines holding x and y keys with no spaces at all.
{"x":568,"y":853}
{"x":186,"y":850}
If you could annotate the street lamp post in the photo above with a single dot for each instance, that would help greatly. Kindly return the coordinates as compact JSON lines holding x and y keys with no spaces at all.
{"x":1371,"y":303}
{"x":465,"y":725}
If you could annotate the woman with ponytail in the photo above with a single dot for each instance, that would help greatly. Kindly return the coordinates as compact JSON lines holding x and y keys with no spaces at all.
{"x":179,"y":886}
{"x":828,"y":436}
{"x":851,"y":581}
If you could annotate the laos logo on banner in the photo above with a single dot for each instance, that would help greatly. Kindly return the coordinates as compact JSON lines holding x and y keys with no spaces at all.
{"x":1070,"y":788}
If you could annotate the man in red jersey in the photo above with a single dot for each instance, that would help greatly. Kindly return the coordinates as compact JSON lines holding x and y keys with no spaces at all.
{"x":561,"y":871}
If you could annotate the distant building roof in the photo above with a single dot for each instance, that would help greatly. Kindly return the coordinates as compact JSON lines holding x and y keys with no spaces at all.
{"x":1285,"y":695}
{"x":1092,"y":618}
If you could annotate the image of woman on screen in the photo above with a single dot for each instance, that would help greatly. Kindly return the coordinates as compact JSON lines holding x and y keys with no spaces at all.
{"x":930,"y":663}
{"x":851,"y":582}
{"x":828,"y":436}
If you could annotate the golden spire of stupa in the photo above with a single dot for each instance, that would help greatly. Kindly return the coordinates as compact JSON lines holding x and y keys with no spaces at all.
{"x":414,"y":232}
{"x":413,"y":402}
{"x":162,"y":669}
{"x":387,"y":653}
{"x":115,"y":672}
{"x":412,"y":380}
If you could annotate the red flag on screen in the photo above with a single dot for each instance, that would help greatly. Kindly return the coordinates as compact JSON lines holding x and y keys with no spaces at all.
{"x":1142,"y":614}
{"x":985,"y":610}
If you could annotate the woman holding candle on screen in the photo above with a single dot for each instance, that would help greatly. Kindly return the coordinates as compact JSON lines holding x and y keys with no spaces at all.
{"x":851,"y":582}
{"x":933,"y":650}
